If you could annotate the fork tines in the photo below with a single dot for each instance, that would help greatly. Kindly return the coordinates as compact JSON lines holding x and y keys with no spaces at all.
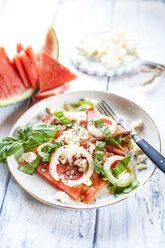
{"x":104,"y":108}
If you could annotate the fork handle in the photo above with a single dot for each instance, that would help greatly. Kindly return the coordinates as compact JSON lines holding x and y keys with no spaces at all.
{"x":152,"y":154}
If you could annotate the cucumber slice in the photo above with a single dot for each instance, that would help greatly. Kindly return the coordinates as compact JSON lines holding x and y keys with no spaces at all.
{"x":17,"y":98}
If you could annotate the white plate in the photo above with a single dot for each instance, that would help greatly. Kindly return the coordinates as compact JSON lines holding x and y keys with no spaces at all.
{"x":42,"y":190}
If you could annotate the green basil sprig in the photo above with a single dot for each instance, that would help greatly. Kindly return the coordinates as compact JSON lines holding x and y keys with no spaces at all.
{"x":28,"y":137}
{"x":122,"y":165}
{"x":98,"y":157}
{"x":105,"y":129}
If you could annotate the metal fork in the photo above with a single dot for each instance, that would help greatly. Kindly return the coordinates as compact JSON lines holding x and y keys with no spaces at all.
{"x":150,"y":152}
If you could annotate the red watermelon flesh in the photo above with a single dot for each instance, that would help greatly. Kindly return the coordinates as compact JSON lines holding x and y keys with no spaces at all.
{"x":19,"y":47}
{"x":20,"y":69}
{"x":58,"y":90}
{"x":29,"y":52}
{"x":9,"y":75}
{"x":2,"y":93}
{"x":4,"y":87}
{"x":30,"y":69}
{"x":52,"y":73}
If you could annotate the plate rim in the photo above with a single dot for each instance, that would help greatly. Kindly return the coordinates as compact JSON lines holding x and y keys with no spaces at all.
{"x":60,"y":205}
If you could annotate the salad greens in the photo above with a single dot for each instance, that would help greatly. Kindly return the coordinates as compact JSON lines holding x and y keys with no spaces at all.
{"x":49,"y":148}
{"x":120,"y":190}
{"x":28,"y":137}
{"x":100,"y":125}
{"x":79,"y":106}
{"x":30,"y":168}
{"x":37,"y":135}
{"x":63,"y":119}
{"x":117,"y":140}
{"x":98,"y":157}
{"x":122,"y":165}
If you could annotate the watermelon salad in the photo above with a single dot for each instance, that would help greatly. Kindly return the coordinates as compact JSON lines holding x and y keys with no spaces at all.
{"x":29,"y":72}
{"x":79,"y":151}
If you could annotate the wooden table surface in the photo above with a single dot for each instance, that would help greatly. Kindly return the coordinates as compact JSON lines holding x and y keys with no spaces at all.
{"x":138,"y":222}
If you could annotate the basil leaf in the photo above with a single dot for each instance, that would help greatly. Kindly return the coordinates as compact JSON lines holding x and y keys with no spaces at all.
{"x":119,"y":190}
{"x":105,"y":129}
{"x":98,"y":157}
{"x":64,"y":120}
{"x":38,"y":135}
{"x":30,"y":168}
{"x":9,"y":146}
{"x":48,"y":149}
{"x":23,"y":133}
{"x":122,"y":165}
{"x":117,"y":140}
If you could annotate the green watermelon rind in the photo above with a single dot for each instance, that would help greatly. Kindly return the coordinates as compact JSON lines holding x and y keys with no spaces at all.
{"x":55,"y":53}
{"x":17,"y":98}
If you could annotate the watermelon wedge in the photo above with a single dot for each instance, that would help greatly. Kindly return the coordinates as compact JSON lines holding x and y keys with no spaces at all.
{"x":31,"y":70}
{"x":19,"y":47}
{"x":53,"y":74}
{"x":20,"y":69}
{"x":17,"y":97}
{"x":2,"y":93}
{"x":29,"y":52}
{"x":9,"y":75}
{"x":59,"y":90}
{"x":4,"y":87}
{"x":51,"y":45}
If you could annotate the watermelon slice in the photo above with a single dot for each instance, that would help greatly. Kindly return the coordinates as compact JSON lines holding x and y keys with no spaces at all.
{"x":31,"y":70}
{"x":2,"y":93}
{"x":17,"y":97}
{"x":4,"y":87}
{"x":89,"y":195}
{"x":73,"y":192}
{"x":20,"y":69}
{"x":29,"y":52}
{"x":9,"y":75}
{"x":51,"y":45}
{"x":19,"y":47}
{"x":59,"y":90}
{"x":53,"y":74}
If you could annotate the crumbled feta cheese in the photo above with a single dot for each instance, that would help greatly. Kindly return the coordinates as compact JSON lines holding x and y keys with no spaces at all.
{"x":137,"y":125}
{"x":82,"y":164}
{"x":79,"y":60}
{"x":76,"y":116}
{"x":142,"y":167}
{"x":62,"y":197}
{"x":110,"y":50}
{"x":63,"y":158}
{"x":73,"y":135}
{"x":28,"y":157}
{"x":141,"y":159}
